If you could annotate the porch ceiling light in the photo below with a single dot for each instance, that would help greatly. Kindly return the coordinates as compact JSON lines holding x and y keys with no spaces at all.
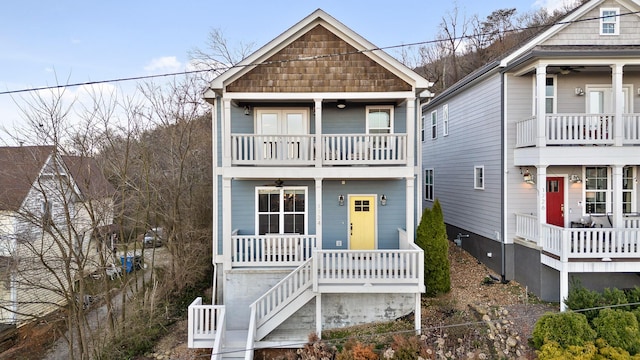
{"x":341,"y":104}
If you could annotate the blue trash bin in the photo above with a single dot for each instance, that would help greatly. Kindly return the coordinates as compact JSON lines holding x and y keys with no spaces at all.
{"x":127,"y":263}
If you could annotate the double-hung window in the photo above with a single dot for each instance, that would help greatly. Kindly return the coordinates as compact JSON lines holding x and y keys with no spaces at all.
{"x":609,"y":21}
{"x":428,"y":184}
{"x":281,"y":210}
{"x":478,"y":177}
{"x":434,"y":124}
{"x":599,"y":189}
{"x":445,"y":120}
{"x":628,"y":189}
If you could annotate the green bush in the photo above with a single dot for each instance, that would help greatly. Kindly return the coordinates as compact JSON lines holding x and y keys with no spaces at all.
{"x":580,"y":298}
{"x":566,"y":328}
{"x":431,"y":236}
{"x":614,"y":297}
{"x":618,"y":328}
{"x":553,"y":351}
{"x":633,"y":296}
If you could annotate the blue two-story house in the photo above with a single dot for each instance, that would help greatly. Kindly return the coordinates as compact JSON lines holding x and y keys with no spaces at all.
{"x":316,"y":191}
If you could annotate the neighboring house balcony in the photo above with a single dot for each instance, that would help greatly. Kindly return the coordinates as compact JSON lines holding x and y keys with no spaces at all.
{"x":332,"y":149}
{"x":314,"y":271}
{"x":579,"y":129}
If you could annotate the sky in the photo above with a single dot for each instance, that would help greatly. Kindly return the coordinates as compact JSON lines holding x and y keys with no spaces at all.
{"x":45,"y":43}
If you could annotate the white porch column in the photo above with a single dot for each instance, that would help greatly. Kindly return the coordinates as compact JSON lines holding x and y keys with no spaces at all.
{"x":616,"y":202}
{"x":226,"y":132}
{"x":541,"y":186}
{"x":319,"y":315}
{"x":319,"y":153}
{"x":411,"y":132}
{"x":319,"y":212}
{"x":564,"y":287}
{"x":618,"y":101}
{"x":409,"y":213}
{"x":541,"y":126}
{"x":417,"y":315}
{"x":226,"y":222}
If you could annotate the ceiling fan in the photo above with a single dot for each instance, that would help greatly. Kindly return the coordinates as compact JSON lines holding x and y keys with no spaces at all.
{"x":565,"y":70}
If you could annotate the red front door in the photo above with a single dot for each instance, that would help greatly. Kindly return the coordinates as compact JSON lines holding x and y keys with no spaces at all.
{"x":555,"y":201}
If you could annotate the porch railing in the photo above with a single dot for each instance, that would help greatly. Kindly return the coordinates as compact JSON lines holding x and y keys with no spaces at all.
{"x":368,"y":267}
{"x":578,"y":129}
{"x":581,"y":243}
{"x":206,"y":324}
{"x":271,"y":249}
{"x":364,"y":148}
{"x":274,"y":149}
{"x":631,"y":128}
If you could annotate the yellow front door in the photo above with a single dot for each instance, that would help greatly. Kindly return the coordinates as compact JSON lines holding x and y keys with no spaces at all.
{"x":362,"y":226}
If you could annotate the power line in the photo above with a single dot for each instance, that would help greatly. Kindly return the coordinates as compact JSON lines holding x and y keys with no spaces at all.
{"x":309,"y":58}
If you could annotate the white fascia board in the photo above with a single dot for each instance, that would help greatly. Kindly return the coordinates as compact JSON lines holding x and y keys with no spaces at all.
{"x":312,"y":96}
{"x":329,"y":172}
{"x":551,"y":31}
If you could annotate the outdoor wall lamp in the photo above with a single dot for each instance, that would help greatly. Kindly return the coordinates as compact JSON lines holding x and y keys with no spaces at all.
{"x":341,"y":104}
{"x":383,"y":199}
{"x":341,"y":200}
{"x":527,"y":177}
{"x":579,"y":91}
{"x":247,"y":110}
{"x":575,"y":179}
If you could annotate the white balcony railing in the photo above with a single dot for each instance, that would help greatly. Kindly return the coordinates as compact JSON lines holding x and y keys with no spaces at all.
{"x":301,"y":150}
{"x":271,"y":249}
{"x":579,"y":129}
{"x":206,"y":324}
{"x":363,"y":149}
{"x":272,"y":149}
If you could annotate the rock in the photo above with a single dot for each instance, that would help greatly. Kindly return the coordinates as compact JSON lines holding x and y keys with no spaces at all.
{"x":486,"y":317}
{"x":511,"y":342}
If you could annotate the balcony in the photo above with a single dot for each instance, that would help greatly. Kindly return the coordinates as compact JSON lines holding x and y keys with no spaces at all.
{"x":580,"y":129}
{"x":582,"y":244}
{"x":334,"y":149}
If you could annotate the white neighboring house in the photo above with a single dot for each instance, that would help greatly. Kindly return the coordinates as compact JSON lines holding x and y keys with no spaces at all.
{"x":316,"y":195}
{"x":50,"y":206}
{"x":535,"y":156}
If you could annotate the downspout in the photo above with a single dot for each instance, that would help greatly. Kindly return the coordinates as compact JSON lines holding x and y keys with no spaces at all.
{"x":503,"y":195}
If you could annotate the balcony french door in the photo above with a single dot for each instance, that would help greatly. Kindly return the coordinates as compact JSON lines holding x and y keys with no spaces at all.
{"x":273,"y":125}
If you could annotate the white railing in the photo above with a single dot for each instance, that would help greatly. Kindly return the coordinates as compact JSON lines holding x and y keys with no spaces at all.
{"x":526,"y":132}
{"x":527,"y":227}
{"x":631,"y":222}
{"x":631,"y":128}
{"x":206,"y":324}
{"x":563,"y":129}
{"x":271,"y":249}
{"x":281,"y":294}
{"x":274,"y":149}
{"x":584,"y":243}
{"x":368,"y":267}
{"x":364,"y":149}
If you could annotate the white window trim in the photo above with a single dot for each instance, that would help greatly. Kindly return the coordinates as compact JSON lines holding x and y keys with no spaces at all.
{"x":424,"y":118}
{"x":281,"y":209}
{"x":426,"y":193}
{"x":434,"y":124}
{"x":478,"y":169}
{"x":632,"y":191}
{"x":445,"y":120}
{"x":391,"y":120}
{"x":615,"y":21}
{"x":535,"y":94}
